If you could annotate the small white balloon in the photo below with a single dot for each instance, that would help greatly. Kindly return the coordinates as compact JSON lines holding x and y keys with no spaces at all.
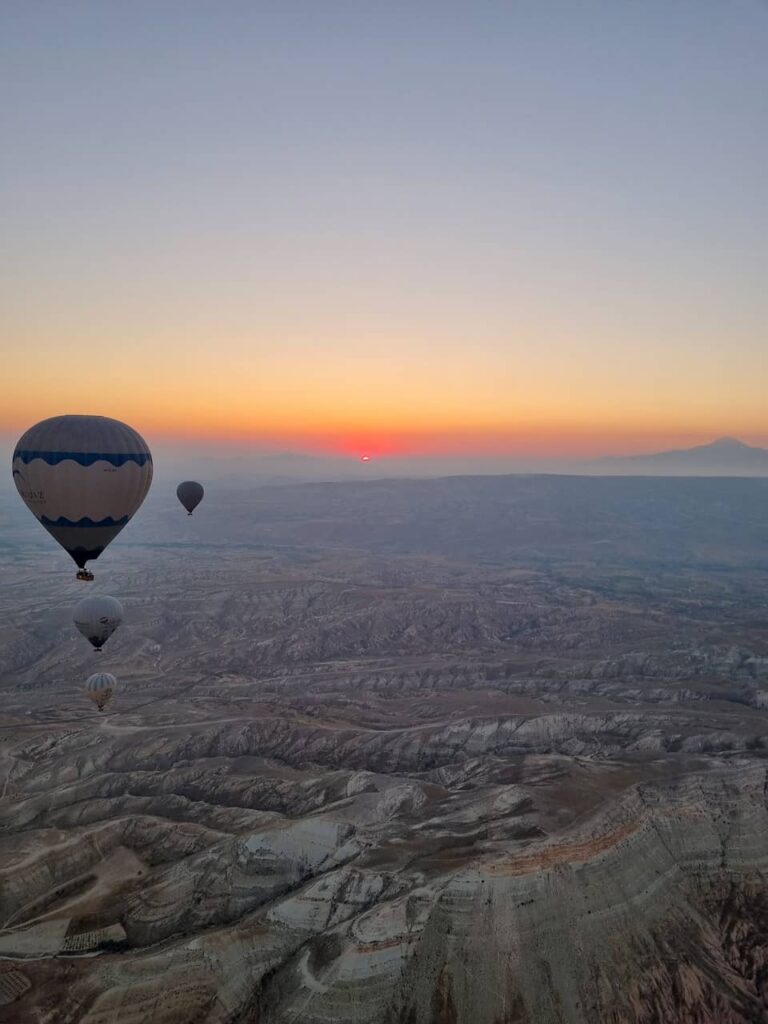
{"x":97,"y":618}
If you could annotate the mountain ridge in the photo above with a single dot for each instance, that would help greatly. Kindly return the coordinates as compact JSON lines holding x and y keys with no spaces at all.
{"x":725,"y":456}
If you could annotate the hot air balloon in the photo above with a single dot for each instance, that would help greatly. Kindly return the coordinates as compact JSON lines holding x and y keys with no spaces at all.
{"x":190,"y":494}
{"x":97,"y":618}
{"x":100,"y":688}
{"x":83,"y":477}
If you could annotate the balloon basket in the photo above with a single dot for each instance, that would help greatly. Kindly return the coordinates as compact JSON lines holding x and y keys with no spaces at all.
{"x":83,"y":574}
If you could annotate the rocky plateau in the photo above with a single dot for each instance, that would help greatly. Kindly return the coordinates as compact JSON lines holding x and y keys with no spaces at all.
{"x":465,"y":751}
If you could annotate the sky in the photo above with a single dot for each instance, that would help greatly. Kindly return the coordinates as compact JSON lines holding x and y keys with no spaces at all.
{"x":533,"y":228}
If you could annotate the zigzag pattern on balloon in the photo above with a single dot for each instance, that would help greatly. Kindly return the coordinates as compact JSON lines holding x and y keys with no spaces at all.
{"x":82,"y":477}
{"x":116,"y":459}
{"x":62,"y":491}
{"x":83,"y":523}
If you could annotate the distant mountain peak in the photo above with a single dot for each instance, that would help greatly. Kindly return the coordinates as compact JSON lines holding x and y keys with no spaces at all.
{"x":724,"y":456}
{"x":727,"y":444}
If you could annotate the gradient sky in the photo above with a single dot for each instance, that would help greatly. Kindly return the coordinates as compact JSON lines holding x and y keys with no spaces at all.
{"x":528,"y":227}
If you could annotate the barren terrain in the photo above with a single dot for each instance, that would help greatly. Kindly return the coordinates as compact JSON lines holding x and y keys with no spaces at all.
{"x":461,"y":751}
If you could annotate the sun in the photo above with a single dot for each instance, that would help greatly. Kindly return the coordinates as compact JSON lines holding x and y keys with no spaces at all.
{"x":365,"y":458}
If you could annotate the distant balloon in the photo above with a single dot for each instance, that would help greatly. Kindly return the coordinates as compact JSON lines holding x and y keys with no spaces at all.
{"x":83,"y":477}
{"x":97,"y":618}
{"x":190,"y":494}
{"x":100,"y":688}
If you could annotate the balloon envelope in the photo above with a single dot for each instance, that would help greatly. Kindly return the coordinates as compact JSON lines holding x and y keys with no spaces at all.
{"x":190,"y":494}
{"x":83,"y":477}
{"x":100,"y":688}
{"x":97,"y":618}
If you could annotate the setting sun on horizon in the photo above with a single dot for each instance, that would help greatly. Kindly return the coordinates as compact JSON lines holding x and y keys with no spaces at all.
{"x":494,"y":233}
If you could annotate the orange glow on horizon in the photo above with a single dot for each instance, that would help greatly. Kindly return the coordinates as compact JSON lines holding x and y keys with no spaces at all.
{"x":345,"y":271}
{"x":415,"y":405}
{"x":537,"y":440}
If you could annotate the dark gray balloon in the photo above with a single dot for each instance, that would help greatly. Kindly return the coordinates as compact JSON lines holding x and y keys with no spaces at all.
{"x":190,"y":494}
{"x":97,"y":617}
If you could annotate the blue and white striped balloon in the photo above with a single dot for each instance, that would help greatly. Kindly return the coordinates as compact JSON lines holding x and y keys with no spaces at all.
{"x":83,"y":477}
{"x":100,"y":688}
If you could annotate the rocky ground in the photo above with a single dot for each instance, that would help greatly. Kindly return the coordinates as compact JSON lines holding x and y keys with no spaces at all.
{"x":452,"y":753}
